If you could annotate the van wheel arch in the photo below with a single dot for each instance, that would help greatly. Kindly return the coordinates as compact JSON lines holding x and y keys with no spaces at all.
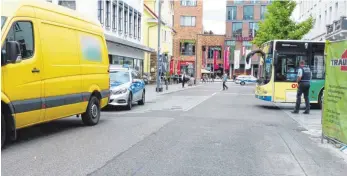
{"x":97,"y":94}
{"x":7,"y":111}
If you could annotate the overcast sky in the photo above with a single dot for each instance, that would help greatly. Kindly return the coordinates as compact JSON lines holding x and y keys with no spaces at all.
{"x":214,"y":16}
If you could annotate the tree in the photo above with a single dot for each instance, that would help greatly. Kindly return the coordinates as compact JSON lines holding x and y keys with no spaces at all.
{"x":278,"y":25}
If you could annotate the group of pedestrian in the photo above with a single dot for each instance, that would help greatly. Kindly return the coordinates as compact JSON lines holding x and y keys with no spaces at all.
{"x":208,"y":78}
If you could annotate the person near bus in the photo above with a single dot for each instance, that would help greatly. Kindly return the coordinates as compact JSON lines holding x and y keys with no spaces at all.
{"x":303,"y":78}
{"x":225,"y":79}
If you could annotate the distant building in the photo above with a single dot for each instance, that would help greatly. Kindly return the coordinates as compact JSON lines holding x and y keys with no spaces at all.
{"x":188,"y":23}
{"x":324,"y":12}
{"x":122,"y":22}
{"x":242,"y":19}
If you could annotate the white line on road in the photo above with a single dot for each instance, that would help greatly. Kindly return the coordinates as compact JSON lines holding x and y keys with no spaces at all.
{"x":231,"y":93}
{"x":191,"y":107}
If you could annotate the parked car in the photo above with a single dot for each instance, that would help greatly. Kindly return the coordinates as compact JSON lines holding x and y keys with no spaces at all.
{"x":245,"y":79}
{"x":54,"y":64}
{"x":126,"y":87}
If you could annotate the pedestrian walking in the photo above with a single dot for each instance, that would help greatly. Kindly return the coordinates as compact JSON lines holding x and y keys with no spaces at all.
{"x":303,"y":79}
{"x":183,"y":79}
{"x":225,"y":79}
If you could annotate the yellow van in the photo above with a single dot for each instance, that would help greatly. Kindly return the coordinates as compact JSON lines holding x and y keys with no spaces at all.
{"x":54,"y":64}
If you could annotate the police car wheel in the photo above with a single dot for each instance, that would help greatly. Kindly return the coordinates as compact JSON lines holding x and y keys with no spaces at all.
{"x":130,"y":102}
{"x":142,"y":101}
{"x":242,"y":83}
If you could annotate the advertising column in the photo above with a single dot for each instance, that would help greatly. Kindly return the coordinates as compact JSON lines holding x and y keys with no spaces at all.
{"x":335,"y":95}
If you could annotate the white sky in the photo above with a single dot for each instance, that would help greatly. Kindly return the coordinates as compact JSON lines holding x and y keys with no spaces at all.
{"x":214,"y":16}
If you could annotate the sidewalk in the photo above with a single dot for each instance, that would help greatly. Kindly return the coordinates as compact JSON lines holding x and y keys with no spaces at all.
{"x":151,"y":94}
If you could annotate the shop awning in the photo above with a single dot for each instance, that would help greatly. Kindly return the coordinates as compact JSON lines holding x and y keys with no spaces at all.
{"x":120,"y":41}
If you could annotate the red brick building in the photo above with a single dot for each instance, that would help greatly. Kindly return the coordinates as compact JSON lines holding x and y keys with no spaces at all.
{"x":242,"y":18}
{"x":206,"y":44}
{"x":187,"y":23}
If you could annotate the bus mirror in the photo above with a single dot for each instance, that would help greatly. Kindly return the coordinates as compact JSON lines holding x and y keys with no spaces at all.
{"x":249,"y":55}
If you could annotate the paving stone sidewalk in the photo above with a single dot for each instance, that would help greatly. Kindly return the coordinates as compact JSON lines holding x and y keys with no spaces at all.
{"x":152,"y":95}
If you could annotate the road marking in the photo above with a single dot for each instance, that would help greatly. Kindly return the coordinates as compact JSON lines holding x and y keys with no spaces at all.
{"x":193,"y":106}
{"x":231,"y":93}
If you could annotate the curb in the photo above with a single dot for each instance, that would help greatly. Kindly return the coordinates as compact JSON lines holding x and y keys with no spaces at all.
{"x":164,"y":93}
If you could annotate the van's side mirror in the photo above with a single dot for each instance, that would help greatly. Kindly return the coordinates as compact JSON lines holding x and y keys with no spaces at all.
{"x":13,"y":53}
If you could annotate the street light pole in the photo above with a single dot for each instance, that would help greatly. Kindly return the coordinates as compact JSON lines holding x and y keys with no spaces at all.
{"x":159,"y":59}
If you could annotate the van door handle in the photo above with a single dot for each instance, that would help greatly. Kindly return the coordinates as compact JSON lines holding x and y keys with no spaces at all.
{"x":35,"y":70}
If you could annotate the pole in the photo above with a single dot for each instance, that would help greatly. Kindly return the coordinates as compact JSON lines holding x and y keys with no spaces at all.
{"x":158,"y":89}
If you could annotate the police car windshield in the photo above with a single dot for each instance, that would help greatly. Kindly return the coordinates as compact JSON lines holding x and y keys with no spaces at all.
{"x":119,"y":76}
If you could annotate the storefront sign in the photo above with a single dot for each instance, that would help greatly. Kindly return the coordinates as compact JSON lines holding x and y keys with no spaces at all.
{"x":335,"y":94}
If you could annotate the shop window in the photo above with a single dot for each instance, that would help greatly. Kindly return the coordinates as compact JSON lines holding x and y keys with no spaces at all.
{"x":120,"y":18}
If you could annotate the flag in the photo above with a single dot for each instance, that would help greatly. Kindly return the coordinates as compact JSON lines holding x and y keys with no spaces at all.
{"x":248,"y":66}
{"x":178,"y":67}
{"x":226,"y":58}
{"x":215,"y":56}
{"x":171,"y":67}
{"x":236,"y":59}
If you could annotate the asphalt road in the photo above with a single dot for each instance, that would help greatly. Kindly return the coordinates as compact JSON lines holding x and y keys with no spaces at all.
{"x":199,"y":131}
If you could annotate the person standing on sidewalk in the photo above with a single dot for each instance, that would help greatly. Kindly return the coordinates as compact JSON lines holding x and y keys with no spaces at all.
{"x":225,"y":79}
{"x":183,"y":79}
{"x":304,"y":78}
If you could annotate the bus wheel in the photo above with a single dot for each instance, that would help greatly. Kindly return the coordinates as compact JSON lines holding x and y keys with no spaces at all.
{"x":3,"y":130}
{"x":242,"y":83}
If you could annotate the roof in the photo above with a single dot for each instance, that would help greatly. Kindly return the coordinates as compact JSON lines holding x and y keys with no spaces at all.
{"x":10,"y":7}
{"x":156,"y":16}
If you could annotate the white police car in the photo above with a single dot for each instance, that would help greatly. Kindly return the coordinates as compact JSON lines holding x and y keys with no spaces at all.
{"x":127,"y":87}
{"x":245,"y":79}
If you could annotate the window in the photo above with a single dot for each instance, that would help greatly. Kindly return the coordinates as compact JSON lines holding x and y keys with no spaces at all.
{"x":262,"y":12}
{"x":114,"y":16}
{"x":68,"y":3}
{"x":188,"y":2}
{"x":135,"y":25}
{"x":188,"y":20}
{"x":317,"y":67}
{"x":238,"y":1}
{"x":139,"y":28}
{"x":212,"y":49}
{"x":101,"y":12}
{"x":253,"y":28}
{"x":288,"y":67}
{"x":125,"y":20}
{"x":108,"y":14}
{"x":248,"y":12}
{"x":22,"y":32}
{"x":237,"y":29}
{"x":120,"y":18}
{"x":256,"y":1}
{"x":131,"y":23}
{"x":232,"y":13}
{"x":187,"y":48}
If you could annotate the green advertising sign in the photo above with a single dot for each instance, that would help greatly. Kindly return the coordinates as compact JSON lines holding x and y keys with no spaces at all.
{"x":335,"y":98}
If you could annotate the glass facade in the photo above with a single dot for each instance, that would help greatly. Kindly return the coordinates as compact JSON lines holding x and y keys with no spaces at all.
{"x":248,"y":12}
{"x":232,"y":13}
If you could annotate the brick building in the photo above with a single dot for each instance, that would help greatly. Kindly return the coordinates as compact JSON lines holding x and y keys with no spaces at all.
{"x":242,"y":18}
{"x":187,"y":23}
{"x":208,"y":43}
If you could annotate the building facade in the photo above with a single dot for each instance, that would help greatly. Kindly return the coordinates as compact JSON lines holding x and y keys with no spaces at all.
{"x":150,"y":30}
{"x":206,"y":45}
{"x":325,"y":13}
{"x":187,"y":22}
{"x":122,"y":21}
{"x":242,"y":18}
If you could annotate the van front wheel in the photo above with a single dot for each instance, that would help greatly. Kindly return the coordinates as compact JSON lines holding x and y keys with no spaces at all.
{"x":92,"y":115}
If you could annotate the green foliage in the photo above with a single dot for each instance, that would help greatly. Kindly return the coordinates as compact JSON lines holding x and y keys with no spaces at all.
{"x":278,"y":25}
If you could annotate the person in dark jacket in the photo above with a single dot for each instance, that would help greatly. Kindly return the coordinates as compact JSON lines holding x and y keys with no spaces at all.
{"x":303,"y":78}
{"x":183,"y":79}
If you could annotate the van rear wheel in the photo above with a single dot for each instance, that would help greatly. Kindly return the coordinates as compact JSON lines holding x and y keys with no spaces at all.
{"x":3,"y":130}
{"x":92,"y":115}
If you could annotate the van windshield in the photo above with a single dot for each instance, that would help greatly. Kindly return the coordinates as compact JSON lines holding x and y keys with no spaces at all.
{"x":3,"y":20}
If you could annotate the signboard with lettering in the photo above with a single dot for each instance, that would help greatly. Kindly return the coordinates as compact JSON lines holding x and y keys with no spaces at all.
{"x":335,"y":95}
